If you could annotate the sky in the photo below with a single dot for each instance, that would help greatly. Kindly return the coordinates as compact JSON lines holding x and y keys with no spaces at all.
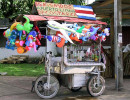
{"x":90,"y":1}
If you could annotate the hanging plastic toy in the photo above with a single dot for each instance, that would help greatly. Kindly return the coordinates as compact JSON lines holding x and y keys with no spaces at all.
{"x":26,"y":27}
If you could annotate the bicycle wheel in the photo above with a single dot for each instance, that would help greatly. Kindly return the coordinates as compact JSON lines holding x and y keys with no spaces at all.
{"x":42,"y":89}
{"x":93,"y":88}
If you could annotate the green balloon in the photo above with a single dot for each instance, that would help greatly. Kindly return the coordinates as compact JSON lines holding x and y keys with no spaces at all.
{"x":27,"y":26}
{"x":80,"y":29}
{"x":19,"y":27}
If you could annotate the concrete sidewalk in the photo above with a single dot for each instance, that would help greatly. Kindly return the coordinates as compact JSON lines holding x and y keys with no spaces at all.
{"x":19,"y":88}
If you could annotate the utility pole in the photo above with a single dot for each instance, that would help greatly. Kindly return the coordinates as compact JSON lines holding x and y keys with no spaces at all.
{"x":118,"y":44}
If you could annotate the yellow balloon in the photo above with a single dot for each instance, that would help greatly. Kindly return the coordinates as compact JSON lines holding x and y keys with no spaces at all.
{"x":13,"y":26}
{"x":7,"y":33}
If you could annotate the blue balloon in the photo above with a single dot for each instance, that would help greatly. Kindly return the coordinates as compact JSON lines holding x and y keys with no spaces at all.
{"x":49,"y":38}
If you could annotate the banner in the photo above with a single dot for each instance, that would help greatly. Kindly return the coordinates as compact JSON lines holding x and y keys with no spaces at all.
{"x":53,"y":9}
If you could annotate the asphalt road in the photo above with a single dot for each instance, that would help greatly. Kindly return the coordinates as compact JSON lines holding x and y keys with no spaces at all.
{"x":19,"y":88}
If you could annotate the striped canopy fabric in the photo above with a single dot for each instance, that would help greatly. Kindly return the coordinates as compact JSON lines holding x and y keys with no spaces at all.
{"x":84,"y":12}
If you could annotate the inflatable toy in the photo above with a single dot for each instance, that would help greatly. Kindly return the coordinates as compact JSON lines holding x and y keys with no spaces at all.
{"x":26,"y":27}
{"x":74,"y":37}
{"x":13,"y":26}
{"x":7,"y":33}
{"x":91,"y":32}
{"x":80,"y":29}
{"x":21,"y":50}
{"x":59,"y":27}
{"x":31,"y":41}
{"x":61,"y":42}
{"x":38,"y":31}
{"x":87,"y":26}
{"x":17,"y":43}
{"x":104,"y":33}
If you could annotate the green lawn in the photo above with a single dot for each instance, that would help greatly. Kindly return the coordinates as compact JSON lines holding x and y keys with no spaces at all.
{"x":22,"y":69}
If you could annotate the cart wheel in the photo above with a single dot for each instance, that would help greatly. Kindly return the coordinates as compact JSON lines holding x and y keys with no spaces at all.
{"x":42,"y":89}
{"x":75,"y":89}
{"x":93,"y":88}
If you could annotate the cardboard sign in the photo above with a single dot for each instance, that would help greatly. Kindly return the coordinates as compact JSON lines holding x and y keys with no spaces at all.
{"x":54,"y":9}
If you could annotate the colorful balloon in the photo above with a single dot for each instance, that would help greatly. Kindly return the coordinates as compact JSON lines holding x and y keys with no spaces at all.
{"x":17,"y":43}
{"x":19,"y":27}
{"x":7,"y":33}
{"x":13,"y":26}
{"x":27,"y":25}
{"x":80,"y":29}
{"x":74,"y":37}
{"x":21,"y":50}
{"x":61,"y":42}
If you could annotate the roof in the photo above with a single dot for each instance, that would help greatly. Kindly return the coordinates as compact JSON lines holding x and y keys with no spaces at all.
{"x":105,"y":8}
{"x":36,"y":18}
{"x":63,"y":12}
{"x":67,"y":19}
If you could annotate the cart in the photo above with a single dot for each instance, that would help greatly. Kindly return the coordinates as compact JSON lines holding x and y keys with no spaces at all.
{"x":72,"y":70}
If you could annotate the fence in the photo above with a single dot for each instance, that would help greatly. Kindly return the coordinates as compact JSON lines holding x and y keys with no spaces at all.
{"x":110,"y":69}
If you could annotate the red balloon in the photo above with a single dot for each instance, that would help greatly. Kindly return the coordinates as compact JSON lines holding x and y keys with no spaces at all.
{"x":17,"y":43}
{"x":62,"y":42}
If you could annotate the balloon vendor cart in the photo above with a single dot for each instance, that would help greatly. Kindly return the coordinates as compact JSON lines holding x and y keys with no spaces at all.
{"x":80,"y":63}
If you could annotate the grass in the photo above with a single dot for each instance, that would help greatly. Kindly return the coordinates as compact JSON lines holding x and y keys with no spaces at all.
{"x":22,"y":69}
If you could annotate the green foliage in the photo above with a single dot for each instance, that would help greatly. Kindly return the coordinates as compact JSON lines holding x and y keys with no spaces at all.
{"x":74,"y":2}
{"x":12,"y":8}
{"x":52,"y":1}
{"x":22,"y":69}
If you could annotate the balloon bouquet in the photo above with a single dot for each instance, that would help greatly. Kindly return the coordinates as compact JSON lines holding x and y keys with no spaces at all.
{"x":73,"y":32}
{"x":26,"y":36}
{"x":22,"y":36}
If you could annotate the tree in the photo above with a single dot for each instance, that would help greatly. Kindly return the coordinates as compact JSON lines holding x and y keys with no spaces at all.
{"x":12,"y":8}
{"x":75,"y":2}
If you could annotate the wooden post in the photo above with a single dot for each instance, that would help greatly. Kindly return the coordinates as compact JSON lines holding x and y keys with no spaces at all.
{"x":118,"y":44}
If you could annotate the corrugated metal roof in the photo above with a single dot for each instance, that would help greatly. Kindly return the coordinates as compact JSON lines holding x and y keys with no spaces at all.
{"x":56,"y":18}
{"x":71,"y":19}
{"x":68,"y":19}
{"x":35,"y":18}
{"x":105,"y":8}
